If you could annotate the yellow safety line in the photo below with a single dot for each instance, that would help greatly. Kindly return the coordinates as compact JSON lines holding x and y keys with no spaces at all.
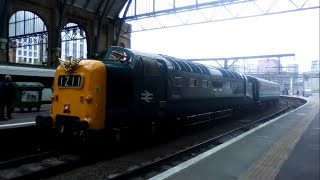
{"x":270,"y":164}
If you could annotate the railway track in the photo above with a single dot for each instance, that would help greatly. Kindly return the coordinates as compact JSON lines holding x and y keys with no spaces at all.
{"x":37,"y":166}
{"x":47,"y":164}
{"x":25,"y":159}
{"x":148,"y":170}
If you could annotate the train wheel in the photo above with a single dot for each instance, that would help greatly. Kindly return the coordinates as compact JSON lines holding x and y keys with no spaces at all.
{"x":116,"y":135}
{"x":153,"y":131}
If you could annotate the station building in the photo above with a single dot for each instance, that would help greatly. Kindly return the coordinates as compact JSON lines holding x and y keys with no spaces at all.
{"x":311,"y":79}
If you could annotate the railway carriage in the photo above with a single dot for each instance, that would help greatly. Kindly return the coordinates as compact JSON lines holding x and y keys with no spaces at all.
{"x":127,"y":88}
{"x":263,"y":90}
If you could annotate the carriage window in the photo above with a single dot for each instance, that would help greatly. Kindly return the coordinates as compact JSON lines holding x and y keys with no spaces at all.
{"x":217,"y":84}
{"x":205,"y":83}
{"x":178,"y":81}
{"x":227,"y":85}
{"x":193,"y":82}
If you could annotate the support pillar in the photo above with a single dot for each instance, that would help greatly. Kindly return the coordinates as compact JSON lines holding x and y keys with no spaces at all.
{"x":60,"y":10}
{"x":4,"y":30}
{"x":55,"y":55}
{"x":3,"y":49}
{"x":225,"y":64}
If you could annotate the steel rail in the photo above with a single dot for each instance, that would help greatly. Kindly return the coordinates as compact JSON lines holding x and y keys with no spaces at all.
{"x":26,"y":159}
{"x":145,"y":168}
{"x":12,"y":168}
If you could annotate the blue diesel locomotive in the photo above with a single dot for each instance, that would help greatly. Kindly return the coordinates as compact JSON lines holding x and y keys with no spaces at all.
{"x":128,"y":88}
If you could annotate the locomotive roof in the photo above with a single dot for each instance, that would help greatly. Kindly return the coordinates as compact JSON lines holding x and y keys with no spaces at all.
{"x":182,"y":65}
{"x":152,"y":55}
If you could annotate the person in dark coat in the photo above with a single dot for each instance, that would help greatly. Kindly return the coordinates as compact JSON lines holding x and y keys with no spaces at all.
{"x":7,"y":94}
{"x":2,"y":99}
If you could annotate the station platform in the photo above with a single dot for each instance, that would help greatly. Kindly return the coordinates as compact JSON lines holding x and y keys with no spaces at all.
{"x":286,"y":147}
{"x":24,"y":118}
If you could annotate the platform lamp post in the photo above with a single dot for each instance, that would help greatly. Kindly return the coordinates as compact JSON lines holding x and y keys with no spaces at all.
{"x":291,"y":90}
{"x":4,"y":4}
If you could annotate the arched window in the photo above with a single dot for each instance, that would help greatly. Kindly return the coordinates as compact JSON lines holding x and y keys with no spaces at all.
{"x":73,"y":41}
{"x":28,"y":39}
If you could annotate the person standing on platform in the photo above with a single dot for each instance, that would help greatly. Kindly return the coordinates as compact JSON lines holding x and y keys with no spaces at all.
{"x":7,"y":96}
{"x":2,"y":99}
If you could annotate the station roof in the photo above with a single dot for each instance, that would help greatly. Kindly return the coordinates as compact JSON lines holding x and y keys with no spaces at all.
{"x":111,"y":8}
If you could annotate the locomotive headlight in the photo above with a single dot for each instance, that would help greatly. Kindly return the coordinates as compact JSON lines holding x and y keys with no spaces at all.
{"x":89,"y":99}
{"x":66,"y":108}
{"x":54,"y":97}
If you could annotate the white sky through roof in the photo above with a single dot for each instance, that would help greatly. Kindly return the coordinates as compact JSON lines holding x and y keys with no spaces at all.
{"x":295,"y":32}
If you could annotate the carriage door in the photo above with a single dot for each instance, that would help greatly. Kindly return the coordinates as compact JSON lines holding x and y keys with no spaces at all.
{"x":255,"y":91}
{"x":153,"y":89}
{"x":252,"y":89}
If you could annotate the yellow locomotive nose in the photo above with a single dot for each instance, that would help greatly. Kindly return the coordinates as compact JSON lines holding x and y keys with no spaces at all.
{"x":76,"y":101}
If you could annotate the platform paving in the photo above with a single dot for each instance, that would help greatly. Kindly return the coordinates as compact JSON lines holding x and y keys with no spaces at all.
{"x":270,"y":151}
{"x":24,"y":118}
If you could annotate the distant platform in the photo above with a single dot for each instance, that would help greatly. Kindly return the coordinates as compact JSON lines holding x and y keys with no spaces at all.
{"x":24,"y":118}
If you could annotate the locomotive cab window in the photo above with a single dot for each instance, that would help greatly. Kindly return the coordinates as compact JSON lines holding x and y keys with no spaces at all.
{"x":119,"y":56}
{"x":217,"y":84}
